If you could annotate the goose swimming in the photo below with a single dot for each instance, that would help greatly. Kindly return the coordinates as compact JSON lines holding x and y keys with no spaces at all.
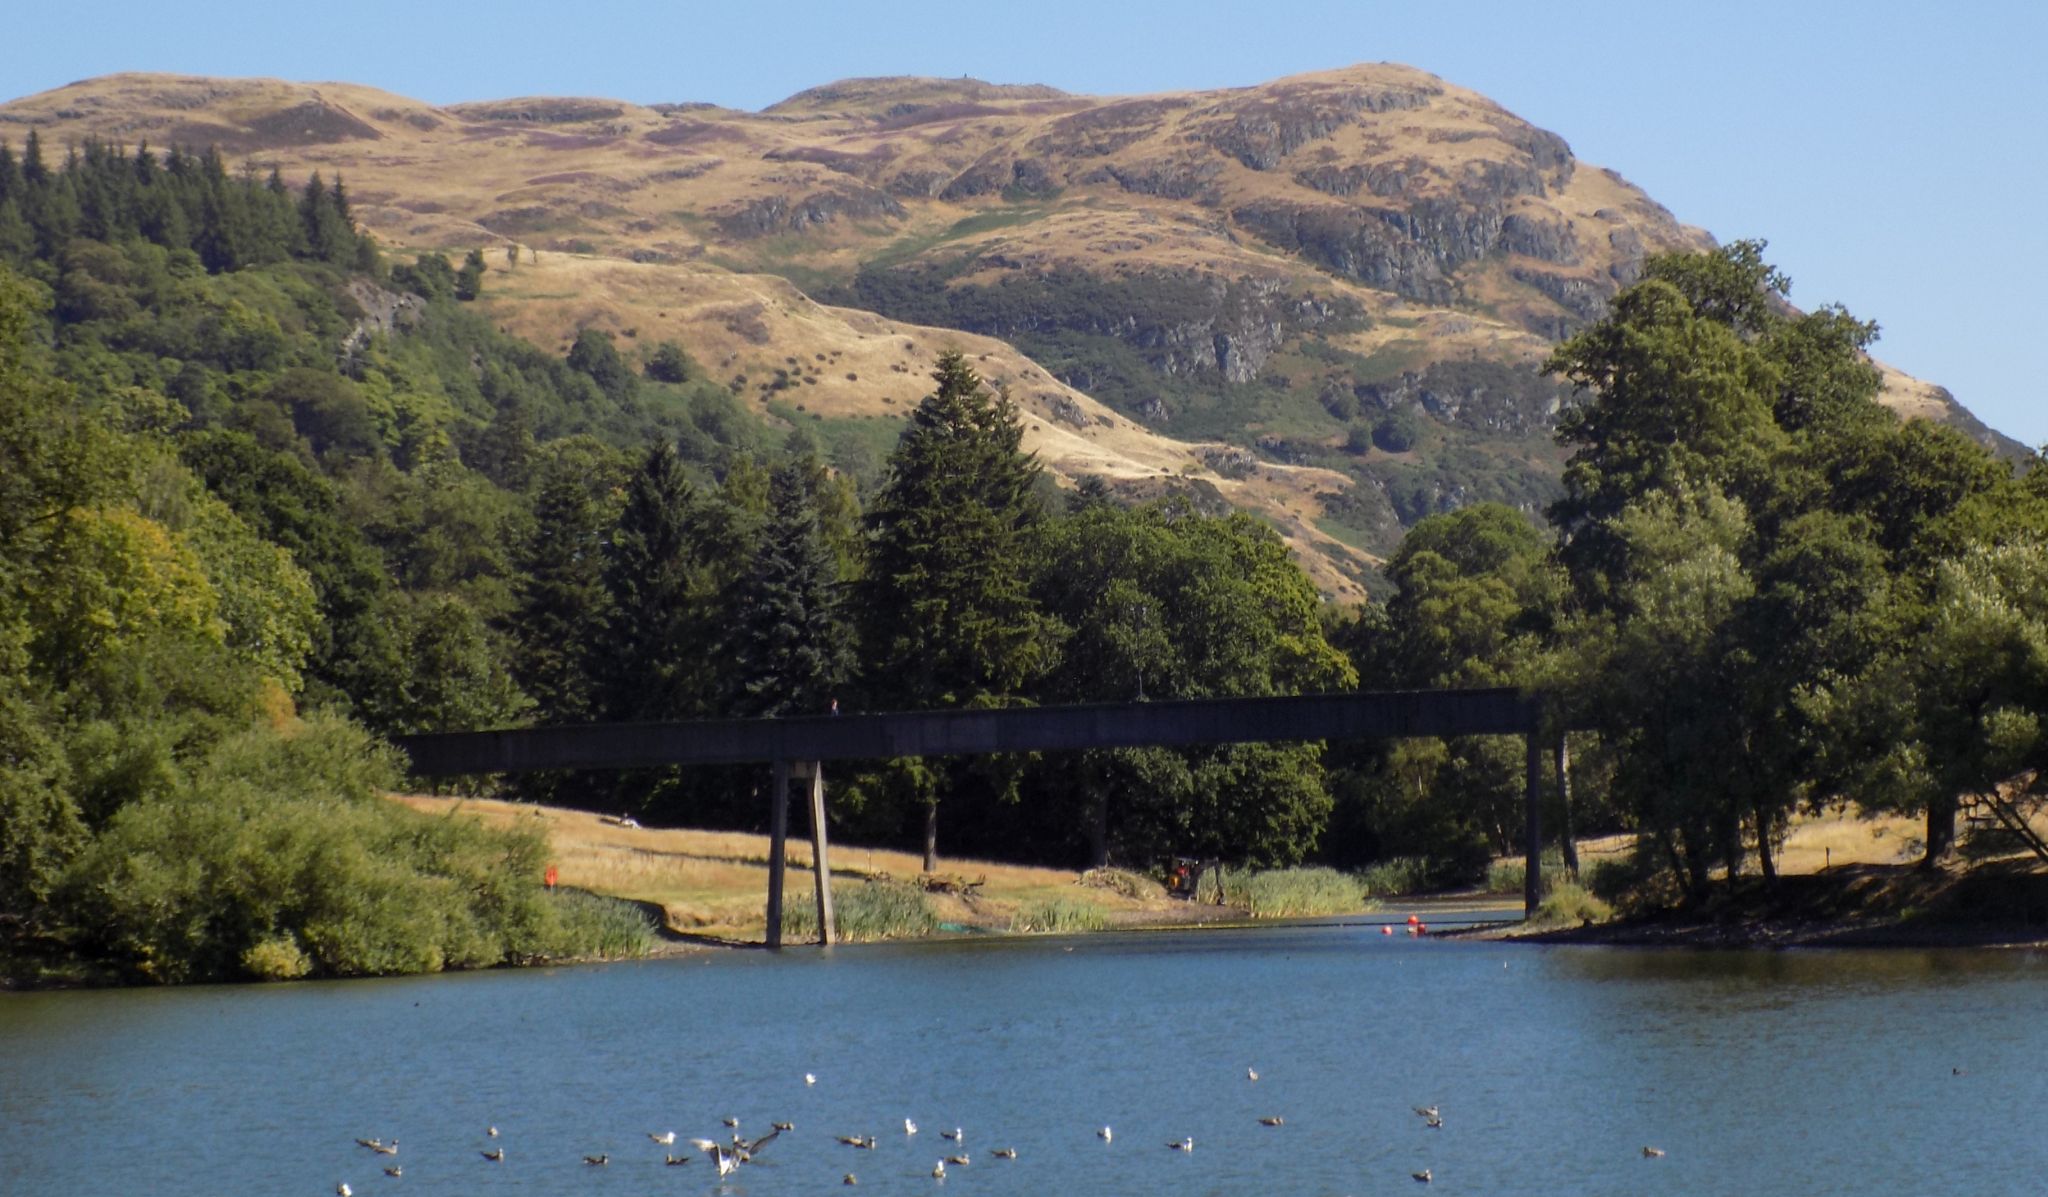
{"x":1251,"y":1074}
{"x":1653,"y":1153}
{"x":598,"y":1160}
{"x":1433,"y":1123}
{"x":1183,"y":1145}
{"x":810,"y":1079}
{"x":732,"y":1122}
{"x":1422,"y":1176}
{"x":342,"y":1190}
{"x":939,"y":1170}
{"x":849,"y":1179}
{"x":867,"y":1141}
{"x":372,"y":1144}
{"x":1005,"y":1153}
{"x":672,"y":1160}
{"x":1429,"y":1111}
{"x":390,"y":1148}
{"x":394,"y":1171}
{"x":1272,"y":1121}
{"x":955,"y":1134}
{"x":960,"y":1160}
{"x":496,"y":1155}
{"x":909,"y":1127}
{"x":492,"y":1132}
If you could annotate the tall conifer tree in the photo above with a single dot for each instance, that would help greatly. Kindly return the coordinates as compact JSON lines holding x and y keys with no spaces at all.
{"x":949,"y":619}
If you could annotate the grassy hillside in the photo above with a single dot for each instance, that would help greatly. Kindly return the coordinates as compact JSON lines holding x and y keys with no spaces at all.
{"x":1255,"y":286}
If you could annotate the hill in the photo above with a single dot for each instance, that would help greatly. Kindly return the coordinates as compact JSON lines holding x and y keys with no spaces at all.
{"x":1322,"y":299}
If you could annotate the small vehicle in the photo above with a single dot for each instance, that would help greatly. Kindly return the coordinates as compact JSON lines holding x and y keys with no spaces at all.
{"x":1184,"y":878}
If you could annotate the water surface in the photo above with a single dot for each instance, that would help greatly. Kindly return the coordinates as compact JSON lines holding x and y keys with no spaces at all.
{"x":1770,"y":1072}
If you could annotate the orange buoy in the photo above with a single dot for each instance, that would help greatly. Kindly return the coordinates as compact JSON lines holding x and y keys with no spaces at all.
{"x":1412,"y":920}
{"x":1386,"y":930}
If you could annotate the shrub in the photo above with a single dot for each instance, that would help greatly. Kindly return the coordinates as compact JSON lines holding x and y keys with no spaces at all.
{"x":278,"y":846}
{"x":1616,"y":878}
{"x":1570,"y":905}
{"x":1059,"y":914}
{"x":1397,"y":876}
{"x":1394,"y":432}
{"x":278,"y":958}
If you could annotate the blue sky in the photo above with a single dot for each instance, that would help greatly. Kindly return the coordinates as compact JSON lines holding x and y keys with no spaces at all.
{"x":1892,"y":154}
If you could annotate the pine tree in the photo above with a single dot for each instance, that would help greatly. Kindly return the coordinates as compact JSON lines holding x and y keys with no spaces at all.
{"x":948,"y":615}
{"x":652,"y":660}
{"x":792,"y":650}
{"x":561,"y":592}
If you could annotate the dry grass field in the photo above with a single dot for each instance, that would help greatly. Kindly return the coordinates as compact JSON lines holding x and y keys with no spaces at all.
{"x":713,"y":884}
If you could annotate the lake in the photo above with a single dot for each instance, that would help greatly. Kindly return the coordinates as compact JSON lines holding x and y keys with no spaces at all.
{"x":1765,"y":1072}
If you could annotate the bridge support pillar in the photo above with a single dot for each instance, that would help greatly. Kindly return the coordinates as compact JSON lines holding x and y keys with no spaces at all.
{"x":1532,"y":860}
{"x":778,"y":844}
{"x":821,"y":857}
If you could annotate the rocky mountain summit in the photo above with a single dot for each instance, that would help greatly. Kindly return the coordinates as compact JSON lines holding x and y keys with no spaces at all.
{"x":1322,"y":298}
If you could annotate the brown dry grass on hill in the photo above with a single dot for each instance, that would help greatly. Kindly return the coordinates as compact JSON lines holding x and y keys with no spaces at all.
{"x":755,"y":327}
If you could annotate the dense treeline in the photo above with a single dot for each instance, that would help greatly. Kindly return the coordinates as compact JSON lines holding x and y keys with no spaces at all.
{"x":1767,"y":593}
{"x":263,"y":504}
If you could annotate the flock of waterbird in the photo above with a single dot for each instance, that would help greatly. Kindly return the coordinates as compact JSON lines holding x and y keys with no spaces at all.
{"x":728,"y":1157}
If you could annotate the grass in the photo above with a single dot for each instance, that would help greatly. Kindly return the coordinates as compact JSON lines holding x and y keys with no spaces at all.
{"x":1060,"y":914}
{"x":870,"y":911}
{"x":905,"y":248}
{"x":1509,"y":876}
{"x":1290,"y":893}
{"x":617,"y":929}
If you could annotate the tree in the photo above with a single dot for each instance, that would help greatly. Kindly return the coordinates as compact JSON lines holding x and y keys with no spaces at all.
{"x":595,"y":356}
{"x":561,"y":599}
{"x":669,"y":363}
{"x":948,"y":618}
{"x":469,"y":281}
{"x":654,"y":653}
{"x":1162,"y":602}
{"x":792,"y":649}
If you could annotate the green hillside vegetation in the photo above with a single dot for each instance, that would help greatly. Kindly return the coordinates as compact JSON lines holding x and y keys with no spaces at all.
{"x":266,"y":499}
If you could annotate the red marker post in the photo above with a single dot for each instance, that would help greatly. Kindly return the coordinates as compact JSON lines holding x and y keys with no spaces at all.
{"x":549,"y":878}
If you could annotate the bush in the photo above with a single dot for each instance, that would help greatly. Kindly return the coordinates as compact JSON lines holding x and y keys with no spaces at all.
{"x":1569,"y":905}
{"x":1059,"y":914}
{"x":278,"y":958}
{"x":1615,"y":878}
{"x":1398,"y":876}
{"x":871,"y":911}
{"x":278,"y":847}
{"x":1394,"y":432}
